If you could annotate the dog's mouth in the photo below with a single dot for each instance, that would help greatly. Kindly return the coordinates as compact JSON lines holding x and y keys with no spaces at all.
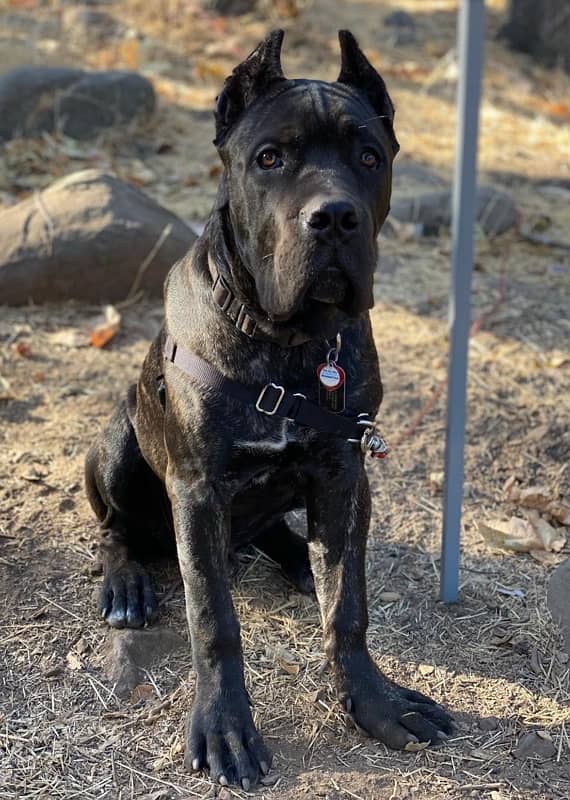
{"x":331,"y":287}
{"x":328,"y":293}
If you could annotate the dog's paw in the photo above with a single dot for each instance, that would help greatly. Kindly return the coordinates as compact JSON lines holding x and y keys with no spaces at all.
{"x":397,"y":716}
{"x":127,"y":599}
{"x":221,"y":739}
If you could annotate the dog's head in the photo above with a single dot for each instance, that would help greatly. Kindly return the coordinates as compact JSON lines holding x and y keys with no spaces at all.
{"x":306,"y":187}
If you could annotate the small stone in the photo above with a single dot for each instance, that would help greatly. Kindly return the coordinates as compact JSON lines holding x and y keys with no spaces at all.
{"x":67,"y":504}
{"x":426,"y":669}
{"x":389,"y":597}
{"x":82,"y":646}
{"x":132,"y":651}
{"x":558,"y":598}
{"x":534,"y":745}
{"x":488,"y":723}
{"x":90,"y":27}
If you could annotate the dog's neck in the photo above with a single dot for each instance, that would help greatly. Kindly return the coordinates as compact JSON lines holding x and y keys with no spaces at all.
{"x":233,"y":288}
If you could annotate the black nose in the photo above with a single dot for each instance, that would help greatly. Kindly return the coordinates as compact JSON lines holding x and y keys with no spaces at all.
{"x":330,"y":219}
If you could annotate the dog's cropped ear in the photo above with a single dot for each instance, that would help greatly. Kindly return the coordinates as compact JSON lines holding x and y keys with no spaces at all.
{"x":248,"y":81}
{"x":357,"y":71}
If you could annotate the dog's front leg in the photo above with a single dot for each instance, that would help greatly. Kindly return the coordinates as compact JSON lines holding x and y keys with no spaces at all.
{"x":339,"y":515}
{"x":220,"y":733}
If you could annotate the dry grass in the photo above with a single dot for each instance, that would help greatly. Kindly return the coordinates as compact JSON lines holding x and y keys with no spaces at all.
{"x":495,"y":659}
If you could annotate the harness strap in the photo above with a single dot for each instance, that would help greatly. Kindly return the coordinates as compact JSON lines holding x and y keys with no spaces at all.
{"x":276,"y":401}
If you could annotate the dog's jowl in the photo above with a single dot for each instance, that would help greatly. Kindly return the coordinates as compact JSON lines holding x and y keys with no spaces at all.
{"x":231,"y":426}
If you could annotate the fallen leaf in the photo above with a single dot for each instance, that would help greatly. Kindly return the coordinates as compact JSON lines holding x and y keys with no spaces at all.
{"x":545,"y":557}
{"x":426,"y":669}
{"x":436,"y":480}
{"x":5,"y":393}
{"x":415,"y":747}
{"x":508,"y":485}
{"x":290,"y":669}
{"x":204,"y":69}
{"x":53,"y":672}
{"x":558,"y":110}
{"x":537,"y":497}
{"x":73,"y":660}
{"x":559,"y":360}
{"x":129,"y":50}
{"x":552,"y":538}
{"x":23,"y":349}
{"x":522,"y":535}
{"x":559,"y":511}
{"x":82,"y":646}
{"x":106,"y":327}
{"x":142,"y":692}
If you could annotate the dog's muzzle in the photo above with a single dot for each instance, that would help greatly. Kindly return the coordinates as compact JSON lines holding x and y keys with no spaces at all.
{"x":331,"y":287}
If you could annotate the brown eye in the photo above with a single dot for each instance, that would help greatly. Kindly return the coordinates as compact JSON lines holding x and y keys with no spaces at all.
{"x":370,"y":159}
{"x":269,"y":159}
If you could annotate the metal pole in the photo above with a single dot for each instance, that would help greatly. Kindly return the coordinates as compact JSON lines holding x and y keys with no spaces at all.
{"x":470,"y":46}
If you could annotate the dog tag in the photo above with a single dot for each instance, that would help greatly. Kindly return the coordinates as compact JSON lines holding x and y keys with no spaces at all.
{"x":332,"y":386}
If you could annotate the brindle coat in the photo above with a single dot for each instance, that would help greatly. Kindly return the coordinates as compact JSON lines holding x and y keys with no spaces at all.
{"x":305,"y":189}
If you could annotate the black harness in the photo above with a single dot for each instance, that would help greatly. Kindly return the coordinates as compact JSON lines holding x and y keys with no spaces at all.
{"x":276,"y":401}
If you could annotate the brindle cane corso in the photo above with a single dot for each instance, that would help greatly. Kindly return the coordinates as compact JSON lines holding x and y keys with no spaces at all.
{"x":233,"y":422}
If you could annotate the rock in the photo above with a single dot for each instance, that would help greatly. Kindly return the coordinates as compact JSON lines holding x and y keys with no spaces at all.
{"x":85,"y":238}
{"x":535,"y":744}
{"x":489,"y":723}
{"x":77,"y":103}
{"x":558,"y":599}
{"x":105,"y":99}
{"x":90,"y":26}
{"x":28,"y":96}
{"x":410,"y":178}
{"x":228,"y":7}
{"x":403,"y":27}
{"x":130,"y":652}
{"x":496,"y":212}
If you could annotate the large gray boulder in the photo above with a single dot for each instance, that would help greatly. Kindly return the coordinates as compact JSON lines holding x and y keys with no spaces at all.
{"x":87,"y":237}
{"x":496,"y":211}
{"x":77,"y":103}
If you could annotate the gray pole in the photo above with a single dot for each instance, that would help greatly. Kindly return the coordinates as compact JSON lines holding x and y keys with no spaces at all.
{"x":470,"y":46}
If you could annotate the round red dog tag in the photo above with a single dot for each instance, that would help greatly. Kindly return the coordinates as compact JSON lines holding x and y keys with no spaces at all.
{"x":331,"y":376}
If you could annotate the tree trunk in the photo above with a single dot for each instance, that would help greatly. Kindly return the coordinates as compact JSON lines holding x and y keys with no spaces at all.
{"x":541,"y":28}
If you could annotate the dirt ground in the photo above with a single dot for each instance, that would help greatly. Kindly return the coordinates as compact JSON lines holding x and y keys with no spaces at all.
{"x":495,"y":658}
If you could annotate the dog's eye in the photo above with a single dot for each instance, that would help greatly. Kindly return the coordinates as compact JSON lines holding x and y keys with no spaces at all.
{"x":369,"y":158}
{"x":269,"y":159}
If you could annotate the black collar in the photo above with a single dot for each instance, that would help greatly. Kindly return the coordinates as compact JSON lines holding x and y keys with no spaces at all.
{"x":239,"y":314}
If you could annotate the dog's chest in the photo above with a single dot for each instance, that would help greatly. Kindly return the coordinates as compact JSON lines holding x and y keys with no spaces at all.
{"x":260,"y":440}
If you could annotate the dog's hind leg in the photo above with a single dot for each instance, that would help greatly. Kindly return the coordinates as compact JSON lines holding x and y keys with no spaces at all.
{"x":128,"y":500}
{"x":290,"y":550}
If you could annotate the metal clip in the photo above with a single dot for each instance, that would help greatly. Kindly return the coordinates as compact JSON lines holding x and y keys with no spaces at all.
{"x":373,"y":443}
{"x":333,"y":353}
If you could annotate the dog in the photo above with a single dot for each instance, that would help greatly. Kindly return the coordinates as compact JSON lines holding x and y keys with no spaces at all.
{"x":258,"y":398}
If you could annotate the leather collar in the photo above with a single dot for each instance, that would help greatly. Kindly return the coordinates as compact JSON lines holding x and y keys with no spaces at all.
{"x":242,"y":319}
